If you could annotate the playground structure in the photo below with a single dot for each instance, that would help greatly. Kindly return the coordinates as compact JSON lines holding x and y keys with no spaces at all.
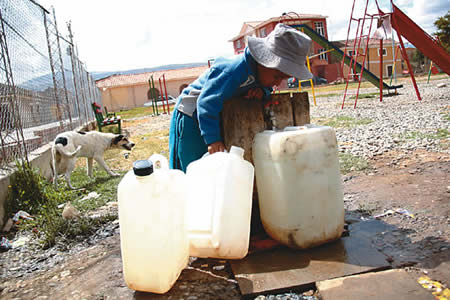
{"x":165,"y":97}
{"x":404,"y":26}
{"x":397,"y":20}
{"x":163,"y":94}
{"x":339,"y":54}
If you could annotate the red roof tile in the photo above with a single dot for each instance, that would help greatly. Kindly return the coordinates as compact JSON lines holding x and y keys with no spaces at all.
{"x":138,"y":79}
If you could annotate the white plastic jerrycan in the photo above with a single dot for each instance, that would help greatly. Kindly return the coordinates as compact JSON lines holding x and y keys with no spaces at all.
{"x":153,"y":235}
{"x":220,"y":204}
{"x":299,"y":185}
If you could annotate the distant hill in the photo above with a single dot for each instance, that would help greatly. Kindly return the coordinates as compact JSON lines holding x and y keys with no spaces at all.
{"x":100,"y":75}
{"x":43,"y":82}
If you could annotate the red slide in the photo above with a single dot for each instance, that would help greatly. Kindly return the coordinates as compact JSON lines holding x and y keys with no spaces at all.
{"x":419,"y":38}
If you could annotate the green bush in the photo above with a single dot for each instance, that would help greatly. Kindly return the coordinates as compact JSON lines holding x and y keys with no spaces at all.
{"x":30,"y":192}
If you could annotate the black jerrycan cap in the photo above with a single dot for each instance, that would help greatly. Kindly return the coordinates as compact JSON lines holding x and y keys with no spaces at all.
{"x":142,"y":167}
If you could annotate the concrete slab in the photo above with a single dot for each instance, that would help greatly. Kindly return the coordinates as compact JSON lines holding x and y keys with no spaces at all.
{"x":285,"y":268}
{"x":391,"y":284}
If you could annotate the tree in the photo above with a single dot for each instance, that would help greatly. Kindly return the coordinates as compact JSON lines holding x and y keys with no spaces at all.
{"x":418,"y":61}
{"x":443,"y":26}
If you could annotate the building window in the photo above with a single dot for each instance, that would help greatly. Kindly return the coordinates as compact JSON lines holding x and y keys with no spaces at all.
{"x":238,"y":44}
{"x":322,"y":56}
{"x":262,"y":32}
{"x":319,"y":28}
{"x":384,"y":52}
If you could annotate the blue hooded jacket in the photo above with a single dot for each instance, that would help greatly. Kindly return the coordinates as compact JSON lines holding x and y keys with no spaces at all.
{"x":227,"y":78}
{"x":191,"y":133}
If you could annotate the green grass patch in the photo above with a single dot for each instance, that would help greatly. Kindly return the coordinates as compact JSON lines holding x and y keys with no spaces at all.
{"x":441,"y":133}
{"x":350,"y":163}
{"x":366,"y":96}
{"x":446,"y":116}
{"x":368,"y":208}
{"x":140,"y":112}
{"x":328,"y":95}
{"x":30,"y":192}
{"x":341,"y":122}
{"x":111,"y":129}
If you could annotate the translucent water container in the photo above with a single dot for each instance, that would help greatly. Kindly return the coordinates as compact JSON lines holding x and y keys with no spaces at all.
{"x":219,"y":205}
{"x":153,"y":235}
{"x":299,"y":185}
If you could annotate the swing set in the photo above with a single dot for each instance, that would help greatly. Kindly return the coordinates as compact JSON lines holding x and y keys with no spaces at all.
{"x":405,"y":27}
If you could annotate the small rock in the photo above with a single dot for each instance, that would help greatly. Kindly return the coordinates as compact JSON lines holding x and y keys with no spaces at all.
{"x":219,"y":268}
{"x":91,"y":195}
{"x":70,"y":212}
{"x":20,"y":242}
{"x":65,"y":273}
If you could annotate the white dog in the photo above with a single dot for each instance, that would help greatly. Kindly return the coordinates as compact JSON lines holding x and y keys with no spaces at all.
{"x":69,"y":145}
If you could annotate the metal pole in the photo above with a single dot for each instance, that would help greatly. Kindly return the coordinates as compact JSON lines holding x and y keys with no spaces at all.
{"x":83,"y":89}
{"x":162,"y":96}
{"x":429,"y":72}
{"x":155,"y":102}
{"x":167,"y":96}
{"x":62,"y":71}
{"x":55,"y":86}
{"x":381,"y":70}
{"x":411,"y":73}
{"x":74,"y":71}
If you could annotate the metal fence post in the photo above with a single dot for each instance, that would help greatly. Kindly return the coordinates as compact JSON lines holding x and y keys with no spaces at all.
{"x":55,"y":86}
{"x":62,"y":70}
{"x":74,"y":71}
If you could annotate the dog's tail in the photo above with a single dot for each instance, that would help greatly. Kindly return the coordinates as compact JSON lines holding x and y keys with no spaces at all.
{"x":62,"y":151}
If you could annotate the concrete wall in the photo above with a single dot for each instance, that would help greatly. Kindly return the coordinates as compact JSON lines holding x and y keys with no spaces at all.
{"x":41,"y":159}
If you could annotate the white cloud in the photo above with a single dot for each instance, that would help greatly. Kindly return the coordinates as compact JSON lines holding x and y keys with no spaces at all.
{"x":116,"y":35}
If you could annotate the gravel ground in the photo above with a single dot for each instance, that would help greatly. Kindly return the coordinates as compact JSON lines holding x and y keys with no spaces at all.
{"x":393,"y":120}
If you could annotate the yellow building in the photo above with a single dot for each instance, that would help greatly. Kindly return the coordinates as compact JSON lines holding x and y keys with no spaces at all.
{"x":122,"y":92}
{"x":372,"y":60}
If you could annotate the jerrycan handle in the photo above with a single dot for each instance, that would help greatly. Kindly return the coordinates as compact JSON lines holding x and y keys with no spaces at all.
{"x":159,"y":162}
{"x":238,"y":151}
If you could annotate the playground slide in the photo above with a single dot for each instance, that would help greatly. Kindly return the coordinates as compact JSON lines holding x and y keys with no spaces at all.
{"x":338,"y":53}
{"x":419,"y":38}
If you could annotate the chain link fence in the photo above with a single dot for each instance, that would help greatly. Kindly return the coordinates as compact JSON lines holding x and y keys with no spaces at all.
{"x":44,"y":87}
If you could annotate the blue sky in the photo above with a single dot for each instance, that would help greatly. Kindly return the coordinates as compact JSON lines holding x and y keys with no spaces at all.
{"x":115,"y":35}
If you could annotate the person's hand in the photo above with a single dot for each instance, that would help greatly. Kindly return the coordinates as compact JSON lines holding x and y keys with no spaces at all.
{"x":216,"y":147}
{"x":254,"y":93}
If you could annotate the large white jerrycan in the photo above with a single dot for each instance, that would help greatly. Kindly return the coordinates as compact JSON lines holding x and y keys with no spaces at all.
{"x":220,"y":205}
{"x":299,"y":185}
{"x":153,"y":235}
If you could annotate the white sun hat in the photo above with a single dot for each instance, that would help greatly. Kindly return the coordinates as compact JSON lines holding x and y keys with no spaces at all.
{"x":284,"y":49}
